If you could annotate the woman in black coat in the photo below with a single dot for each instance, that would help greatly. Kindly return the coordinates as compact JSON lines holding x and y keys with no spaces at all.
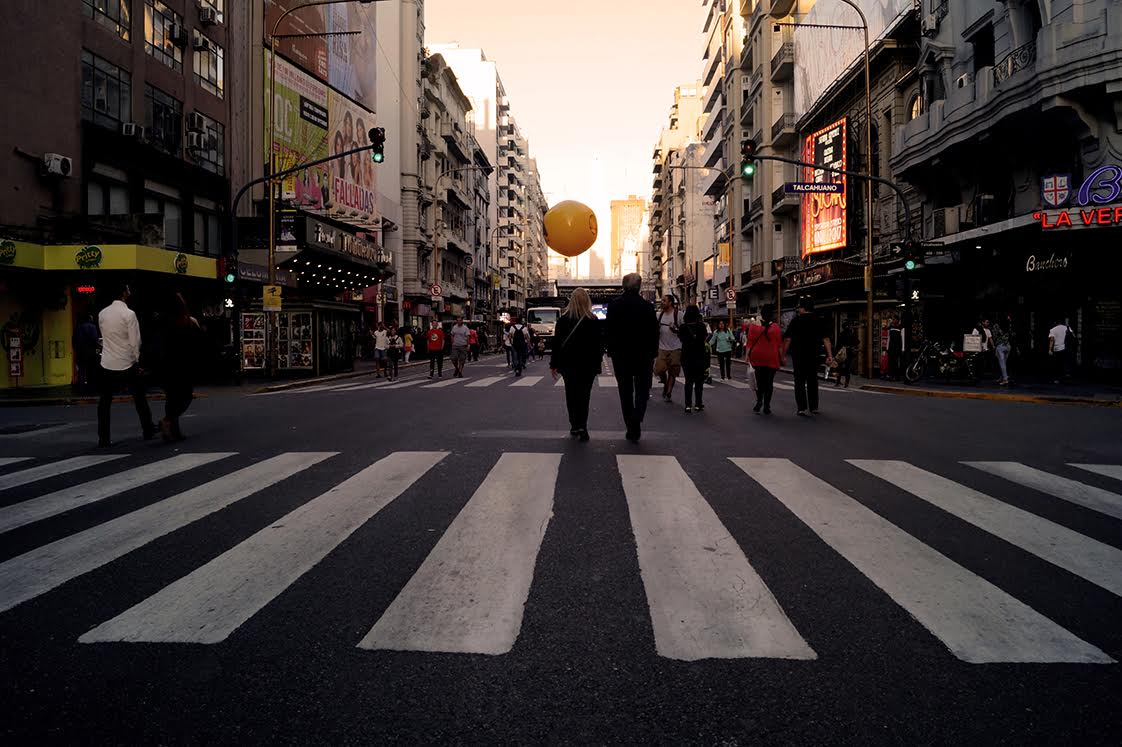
{"x":695,"y":356}
{"x":578,"y":353}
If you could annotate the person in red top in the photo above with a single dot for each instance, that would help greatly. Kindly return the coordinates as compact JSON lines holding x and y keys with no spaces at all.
{"x":764,"y":343}
{"x":435,"y":340}
{"x":473,"y":344}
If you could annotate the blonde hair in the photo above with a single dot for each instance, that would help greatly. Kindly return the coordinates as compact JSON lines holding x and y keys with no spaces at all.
{"x":580,"y":305}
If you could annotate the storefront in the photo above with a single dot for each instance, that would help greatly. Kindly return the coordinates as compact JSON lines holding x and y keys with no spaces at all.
{"x":47,"y":290}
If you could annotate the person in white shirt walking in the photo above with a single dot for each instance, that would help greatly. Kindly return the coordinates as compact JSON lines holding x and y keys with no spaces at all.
{"x":669,"y":362}
{"x":120,"y":366}
{"x":1060,"y":349}
{"x":381,"y":349}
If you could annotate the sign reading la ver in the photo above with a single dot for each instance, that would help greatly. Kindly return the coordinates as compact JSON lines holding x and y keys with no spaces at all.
{"x":1097,"y":200}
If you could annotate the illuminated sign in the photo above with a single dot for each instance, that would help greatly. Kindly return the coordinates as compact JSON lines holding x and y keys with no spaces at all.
{"x":1094,"y":200}
{"x":823,"y":214}
{"x":87,"y":290}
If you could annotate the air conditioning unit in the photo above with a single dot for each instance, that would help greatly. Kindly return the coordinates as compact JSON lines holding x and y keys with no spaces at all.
{"x":200,"y":42}
{"x":132,"y":129}
{"x":944,"y":221}
{"x":196,"y":122}
{"x":964,"y":81}
{"x":57,"y":165}
{"x":208,"y":15}
{"x":196,"y":141}
{"x":178,"y":35}
{"x":929,"y":25}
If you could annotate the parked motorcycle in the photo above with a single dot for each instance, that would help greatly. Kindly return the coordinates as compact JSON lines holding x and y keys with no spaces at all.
{"x":944,"y":362}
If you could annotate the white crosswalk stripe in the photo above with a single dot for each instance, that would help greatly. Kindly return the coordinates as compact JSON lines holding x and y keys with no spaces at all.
{"x":734,"y":383}
{"x":607,"y":382}
{"x":42,"y":569}
{"x":977,"y":621}
{"x":479,"y":383}
{"x":688,"y":562}
{"x":209,"y":604}
{"x":37,"y":509}
{"x":527,"y":381}
{"x":1099,"y":563}
{"x":53,"y":469}
{"x":443,"y":384}
{"x":5,"y":461}
{"x":405,"y":384}
{"x":1107,"y":470}
{"x":1096,"y":499}
{"x":468,"y":595}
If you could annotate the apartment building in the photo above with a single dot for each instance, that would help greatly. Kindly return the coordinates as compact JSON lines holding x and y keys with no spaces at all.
{"x":627,"y":227}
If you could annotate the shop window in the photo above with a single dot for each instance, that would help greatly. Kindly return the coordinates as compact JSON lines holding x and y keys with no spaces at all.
{"x":209,"y":71}
{"x":163,"y":120}
{"x":161,"y":23}
{"x":172,"y":212}
{"x":209,"y":148}
{"x":112,"y":14}
{"x":106,"y":92}
{"x":106,"y":198}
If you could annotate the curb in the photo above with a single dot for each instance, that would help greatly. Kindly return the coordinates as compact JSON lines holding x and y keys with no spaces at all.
{"x":1039,"y":399}
{"x":78,"y":401}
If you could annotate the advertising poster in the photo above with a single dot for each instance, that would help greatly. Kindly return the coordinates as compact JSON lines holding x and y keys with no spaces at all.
{"x":352,"y":60}
{"x":823,"y":215}
{"x":301,"y":132}
{"x":309,"y":53}
{"x":352,"y":179}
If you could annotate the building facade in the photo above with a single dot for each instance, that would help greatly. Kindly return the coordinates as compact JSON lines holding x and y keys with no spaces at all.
{"x":627,"y":228}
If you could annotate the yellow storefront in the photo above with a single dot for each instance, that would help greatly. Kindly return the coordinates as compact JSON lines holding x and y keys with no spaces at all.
{"x":45,"y":289}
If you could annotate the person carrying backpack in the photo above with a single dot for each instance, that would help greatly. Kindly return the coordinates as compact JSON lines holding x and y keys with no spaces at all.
{"x":519,"y":345}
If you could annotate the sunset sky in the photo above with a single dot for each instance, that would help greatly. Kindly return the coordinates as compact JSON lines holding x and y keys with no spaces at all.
{"x":590,"y":83}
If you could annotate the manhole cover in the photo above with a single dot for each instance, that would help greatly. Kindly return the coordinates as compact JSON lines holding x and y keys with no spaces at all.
{"x":11,"y":430}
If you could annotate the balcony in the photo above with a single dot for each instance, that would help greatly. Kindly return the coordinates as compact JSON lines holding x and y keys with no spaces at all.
{"x":783,"y":63}
{"x":712,"y":124}
{"x":758,"y":206}
{"x":1021,"y":58}
{"x":784,"y":203}
{"x":453,"y":136}
{"x":783,"y":132}
{"x":714,"y":97}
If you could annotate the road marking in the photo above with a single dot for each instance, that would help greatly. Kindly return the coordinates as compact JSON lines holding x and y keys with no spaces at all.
{"x":404,"y":384}
{"x":42,"y":569}
{"x":734,"y":383}
{"x":470,"y":593}
{"x":210,"y":603}
{"x":607,"y":382}
{"x":43,"y":471}
{"x":5,"y":461}
{"x":706,"y":601}
{"x":1107,"y":470}
{"x":1087,"y":558}
{"x":39,"y":432}
{"x":788,"y":387}
{"x":442,"y":384}
{"x":485,"y":382}
{"x":976,"y":620}
{"x":1079,"y":493}
{"x":528,"y":381}
{"x":381,"y":383}
{"x":60,"y":501}
{"x":560,"y":381}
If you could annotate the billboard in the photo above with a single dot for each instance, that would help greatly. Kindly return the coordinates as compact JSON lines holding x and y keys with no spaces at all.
{"x":310,"y":53}
{"x":353,"y":182}
{"x":823,"y":215}
{"x":300,"y":134}
{"x":822,"y":54}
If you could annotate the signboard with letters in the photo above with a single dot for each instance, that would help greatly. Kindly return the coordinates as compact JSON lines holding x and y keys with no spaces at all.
{"x":271,"y":298}
{"x":823,"y":215}
{"x":1097,"y":202}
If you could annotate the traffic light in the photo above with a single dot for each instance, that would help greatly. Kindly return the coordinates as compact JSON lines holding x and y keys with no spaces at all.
{"x":748,"y":160}
{"x":911,"y":252}
{"x":228,"y":269}
{"x":378,"y":144}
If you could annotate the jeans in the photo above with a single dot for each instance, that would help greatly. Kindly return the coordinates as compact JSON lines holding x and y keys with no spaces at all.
{"x":1003,"y":360}
{"x":634,"y":381}
{"x":725,"y":362}
{"x":391,"y":366}
{"x":436,"y":362}
{"x":765,"y":385}
{"x":695,"y":384}
{"x":578,"y":392}
{"x":109,"y":382}
{"x":518,"y":360}
{"x":806,"y":385}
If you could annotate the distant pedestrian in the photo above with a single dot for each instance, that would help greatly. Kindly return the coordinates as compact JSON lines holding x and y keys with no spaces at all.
{"x":461,"y":340}
{"x":804,"y":338}
{"x":845,"y":353}
{"x":394,"y":346}
{"x":669,"y":363}
{"x":633,"y":341}
{"x":1002,"y":343}
{"x":897,"y":342}
{"x":539,"y":349}
{"x":764,"y":345}
{"x":483,"y":339}
{"x":1061,"y":346}
{"x":120,"y":366}
{"x":434,"y":339}
{"x":508,"y":346}
{"x":179,"y":364}
{"x":407,"y":344}
{"x":723,"y":343}
{"x":519,"y":345}
{"x":695,"y":357}
{"x":381,"y":346}
{"x":578,"y":355}
{"x":473,"y":344}
{"x":85,"y":354}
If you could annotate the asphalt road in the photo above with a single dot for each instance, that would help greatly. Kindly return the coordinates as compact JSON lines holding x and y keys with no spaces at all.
{"x":443,"y":564}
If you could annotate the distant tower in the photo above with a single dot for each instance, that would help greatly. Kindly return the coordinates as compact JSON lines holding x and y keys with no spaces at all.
{"x":627,"y":227}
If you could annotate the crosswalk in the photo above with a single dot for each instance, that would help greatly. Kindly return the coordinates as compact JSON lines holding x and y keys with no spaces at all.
{"x":705,"y":598}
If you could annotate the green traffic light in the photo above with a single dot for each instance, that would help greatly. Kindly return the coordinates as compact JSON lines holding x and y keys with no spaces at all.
{"x":910,"y":264}
{"x":748,"y":169}
{"x":230,"y":277}
{"x":379,"y":157}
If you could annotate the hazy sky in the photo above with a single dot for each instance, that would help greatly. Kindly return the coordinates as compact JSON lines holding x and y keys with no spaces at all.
{"x":590,"y":82}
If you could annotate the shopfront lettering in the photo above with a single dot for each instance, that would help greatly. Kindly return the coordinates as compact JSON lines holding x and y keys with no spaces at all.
{"x":1102,"y":187}
{"x":1032,"y":264}
{"x":1104,"y":216}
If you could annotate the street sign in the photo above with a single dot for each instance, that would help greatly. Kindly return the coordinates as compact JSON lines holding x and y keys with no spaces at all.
{"x":730,"y":295}
{"x":271,"y":298}
{"x":436,"y":290}
{"x":814,"y":187}
{"x":714,"y":293}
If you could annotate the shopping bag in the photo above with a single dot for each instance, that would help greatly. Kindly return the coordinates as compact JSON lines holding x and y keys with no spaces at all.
{"x":752,"y":377}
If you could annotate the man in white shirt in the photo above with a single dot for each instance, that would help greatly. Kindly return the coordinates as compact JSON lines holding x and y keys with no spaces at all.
{"x":381,"y":348}
{"x":120,"y":358}
{"x":1058,"y":349}
{"x":669,"y":362}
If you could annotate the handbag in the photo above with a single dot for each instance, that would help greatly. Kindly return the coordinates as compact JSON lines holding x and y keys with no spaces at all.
{"x":842,"y":356}
{"x":752,"y":377}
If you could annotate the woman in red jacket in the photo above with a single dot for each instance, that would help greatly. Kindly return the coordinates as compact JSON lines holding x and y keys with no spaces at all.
{"x":765,"y":341}
{"x":435,"y":339}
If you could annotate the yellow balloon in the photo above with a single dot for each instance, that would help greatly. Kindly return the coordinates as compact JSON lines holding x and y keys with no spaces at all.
{"x":570,"y":228}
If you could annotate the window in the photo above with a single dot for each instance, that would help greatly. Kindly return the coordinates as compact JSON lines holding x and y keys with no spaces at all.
{"x":171,"y":209}
{"x":106,"y":92}
{"x":208,"y":65}
{"x":161,"y":24}
{"x":208,"y":232}
{"x":208,"y":146}
{"x":106,"y":198}
{"x":112,"y":14}
{"x":983,"y":48}
{"x":163,"y":120}
{"x":915,"y":108}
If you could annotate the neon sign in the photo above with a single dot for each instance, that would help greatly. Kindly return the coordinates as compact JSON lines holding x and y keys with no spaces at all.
{"x":1102,"y":187}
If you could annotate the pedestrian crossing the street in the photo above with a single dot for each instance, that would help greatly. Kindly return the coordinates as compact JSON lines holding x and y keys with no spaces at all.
{"x":705,"y":598}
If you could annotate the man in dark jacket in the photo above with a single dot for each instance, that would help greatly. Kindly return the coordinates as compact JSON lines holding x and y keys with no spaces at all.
{"x":632,"y":342}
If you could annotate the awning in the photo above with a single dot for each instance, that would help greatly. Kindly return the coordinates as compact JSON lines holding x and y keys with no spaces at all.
{"x":93,"y":257}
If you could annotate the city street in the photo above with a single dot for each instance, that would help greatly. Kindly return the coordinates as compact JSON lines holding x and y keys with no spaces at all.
{"x":437,"y":561}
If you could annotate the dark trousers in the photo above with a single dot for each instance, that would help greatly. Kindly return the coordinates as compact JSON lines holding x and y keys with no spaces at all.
{"x":519,"y":356}
{"x":87,"y":374}
{"x":806,"y":385}
{"x":109,"y":383}
{"x":634,"y":381}
{"x":392,"y":364}
{"x":578,"y":392}
{"x":765,"y":385}
{"x":178,"y":396}
{"x":695,"y":384}
{"x":725,"y":362}
{"x":436,"y":362}
{"x":895,"y":363}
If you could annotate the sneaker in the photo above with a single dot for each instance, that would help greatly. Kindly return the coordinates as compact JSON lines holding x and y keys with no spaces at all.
{"x":699,"y":408}
{"x":767,"y":411}
{"x":689,"y":410}
{"x":801,"y":413}
{"x":583,"y":436}
{"x":757,"y":407}
{"x":632,"y":436}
